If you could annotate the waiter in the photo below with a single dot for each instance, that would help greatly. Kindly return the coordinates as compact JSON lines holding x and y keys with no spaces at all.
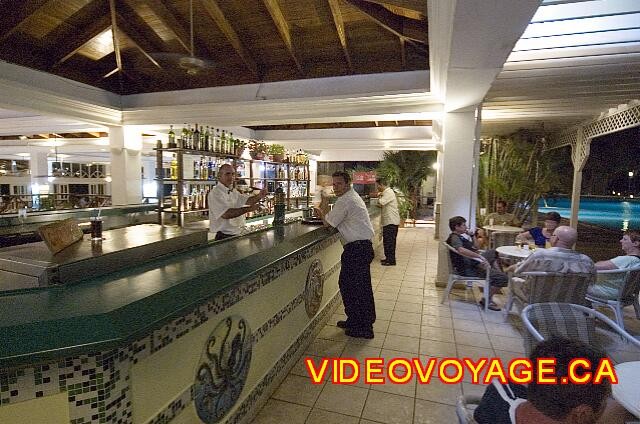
{"x":227,"y":206}
{"x":351,"y":218}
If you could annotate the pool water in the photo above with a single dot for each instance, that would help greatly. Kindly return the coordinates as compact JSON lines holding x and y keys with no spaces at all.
{"x":609,"y":213}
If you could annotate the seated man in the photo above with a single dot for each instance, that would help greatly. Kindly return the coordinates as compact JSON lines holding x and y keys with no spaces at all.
{"x":501,"y":216}
{"x":630,"y":244}
{"x":468,"y":262}
{"x":553,"y":403}
{"x":560,"y":257}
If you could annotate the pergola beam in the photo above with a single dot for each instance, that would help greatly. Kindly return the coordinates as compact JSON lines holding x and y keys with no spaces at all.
{"x":339,"y":23}
{"x":214,"y":11}
{"x":114,"y":34}
{"x":283,"y":28}
{"x":136,"y":39}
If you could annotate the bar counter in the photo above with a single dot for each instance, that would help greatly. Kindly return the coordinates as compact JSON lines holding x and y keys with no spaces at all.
{"x":202,"y":335}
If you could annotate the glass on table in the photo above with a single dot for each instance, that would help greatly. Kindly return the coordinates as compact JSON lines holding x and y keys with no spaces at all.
{"x":532,"y":245}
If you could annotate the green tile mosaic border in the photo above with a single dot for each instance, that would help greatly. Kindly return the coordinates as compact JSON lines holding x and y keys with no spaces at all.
{"x":97,"y":384}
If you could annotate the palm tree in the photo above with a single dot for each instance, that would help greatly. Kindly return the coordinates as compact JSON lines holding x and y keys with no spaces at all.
{"x":406,"y":169}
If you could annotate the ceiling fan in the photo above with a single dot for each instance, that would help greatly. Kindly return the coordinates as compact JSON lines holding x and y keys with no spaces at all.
{"x":191,"y":64}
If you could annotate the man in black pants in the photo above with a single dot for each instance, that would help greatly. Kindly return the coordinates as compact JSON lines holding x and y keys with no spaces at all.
{"x":351,"y":218}
{"x":390,"y":220}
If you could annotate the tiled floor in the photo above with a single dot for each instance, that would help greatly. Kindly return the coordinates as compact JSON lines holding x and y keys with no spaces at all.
{"x":411,"y":322}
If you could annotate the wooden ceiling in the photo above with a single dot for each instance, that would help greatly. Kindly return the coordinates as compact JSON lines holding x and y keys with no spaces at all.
{"x":137,"y":46}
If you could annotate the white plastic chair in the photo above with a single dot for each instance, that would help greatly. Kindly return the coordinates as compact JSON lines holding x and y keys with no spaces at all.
{"x":616,"y":289}
{"x":453,"y":277}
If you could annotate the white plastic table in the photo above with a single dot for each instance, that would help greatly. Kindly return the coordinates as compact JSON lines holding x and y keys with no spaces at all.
{"x":503,"y":228}
{"x":626,"y":391}
{"x":514,"y":252}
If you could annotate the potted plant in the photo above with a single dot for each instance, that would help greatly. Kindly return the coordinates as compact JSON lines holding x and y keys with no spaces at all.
{"x":405,"y":208}
{"x":239,"y":146}
{"x":257,"y":149}
{"x":277,"y":152}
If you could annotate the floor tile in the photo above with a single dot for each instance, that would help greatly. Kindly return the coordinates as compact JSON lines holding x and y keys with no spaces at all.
{"x":388,"y":408}
{"x":473,"y":352}
{"x":405,"y":389}
{"x":436,"y":321}
{"x":383,"y":314}
{"x":427,"y":412}
{"x":468,"y":325}
{"x":434,"y":348}
{"x":342,"y":399}
{"x":407,"y":344}
{"x":407,"y":317}
{"x":277,"y":412}
{"x":318,"y":416}
{"x":300,"y":367}
{"x":384,"y":295}
{"x":404,"y":329}
{"x":437,"y":333}
{"x":472,"y":339}
{"x":510,"y":344}
{"x":408,"y":307}
{"x":380,"y":326}
{"x":299,"y":390}
{"x":437,"y":391}
{"x":408,"y":298}
{"x":385,"y":304}
{"x":411,"y":291}
{"x":331,"y":332}
{"x":325,"y":348}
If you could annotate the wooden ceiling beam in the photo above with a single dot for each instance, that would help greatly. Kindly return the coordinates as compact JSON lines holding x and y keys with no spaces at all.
{"x":74,"y":44}
{"x":19,"y":12}
{"x":114,"y":34}
{"x":387,"y":20}
{"x":339,"y":23}
{"x":283,"y":28}
{"x":403,"y":53}
{"x":160,"y":9}
{"x":136,"y":39}
{"x":419,"y":6}
{"x":214,"y":11}
{"x":135,"y":24}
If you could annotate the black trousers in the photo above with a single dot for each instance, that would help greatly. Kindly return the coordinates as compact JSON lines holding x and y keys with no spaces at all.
{"x":221,"y":236}
{"x":389,"y":235}
{"x":355,"y":284}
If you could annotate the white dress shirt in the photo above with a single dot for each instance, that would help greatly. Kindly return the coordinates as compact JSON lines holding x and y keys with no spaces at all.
{"x":351,"y":218}
{"x":220,"y":200}
{"x":390,"y":214}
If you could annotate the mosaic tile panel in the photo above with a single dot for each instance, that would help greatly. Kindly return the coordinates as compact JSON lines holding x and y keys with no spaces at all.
{"x":97,"y":384}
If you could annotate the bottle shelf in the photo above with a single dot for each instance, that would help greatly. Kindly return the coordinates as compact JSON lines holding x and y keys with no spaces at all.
{"x":169,"y":210}
{"x":199,"y":153}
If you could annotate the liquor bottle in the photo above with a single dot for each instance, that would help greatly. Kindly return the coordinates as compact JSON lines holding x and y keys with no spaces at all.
{"x":174,"y":199}
{"x":212,"y":169}
{"x":232,"y":144}
{"x":195,"y":144}
{"x":217,"y":141}
{"x":184,"y":135}
{"x":196,"y":169}
{"x":172,"y":138}
{"x":174,"y":167}
{"x":205,"y":143}
{"x":223,"y":142}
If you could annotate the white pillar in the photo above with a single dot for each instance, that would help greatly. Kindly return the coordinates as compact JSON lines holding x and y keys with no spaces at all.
{"x":39,"y":171}
{"x":456,"y":189}
{"x":579,"y":155}
{"x":457,"y":168}
{"x":126,"y":178}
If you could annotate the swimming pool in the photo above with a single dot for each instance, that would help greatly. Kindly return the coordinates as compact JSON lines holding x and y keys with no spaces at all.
{"x":610,"y":213}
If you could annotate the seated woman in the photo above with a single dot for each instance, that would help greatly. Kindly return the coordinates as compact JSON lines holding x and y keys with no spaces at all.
{"x":630,"y":244}
{"x":541,"y":235}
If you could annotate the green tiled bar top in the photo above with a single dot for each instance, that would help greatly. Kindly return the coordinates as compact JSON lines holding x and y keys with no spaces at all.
{"x":109,"y":311}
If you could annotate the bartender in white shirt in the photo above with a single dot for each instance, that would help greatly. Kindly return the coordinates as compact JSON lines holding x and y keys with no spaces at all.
{"x":351,"y":218}
{"x":227,"y":206}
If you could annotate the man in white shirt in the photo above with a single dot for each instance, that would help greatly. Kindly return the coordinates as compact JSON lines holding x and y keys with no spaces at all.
{"x":630,"y":244}
{"x":227,"y":206}
{"x":390,"y":220}
{"x":351,"y":218}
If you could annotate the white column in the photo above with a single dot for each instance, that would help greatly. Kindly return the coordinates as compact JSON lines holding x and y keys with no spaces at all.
{"x":455,"y":177}
{"x":39,"y":171}
{"x":579,"y":155}
{"x":126,"y":179}
{"x":457,"y":168}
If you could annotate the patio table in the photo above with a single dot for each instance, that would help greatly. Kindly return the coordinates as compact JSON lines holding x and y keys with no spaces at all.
{"x":626,"y":391}
{"x":514,"y":252}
